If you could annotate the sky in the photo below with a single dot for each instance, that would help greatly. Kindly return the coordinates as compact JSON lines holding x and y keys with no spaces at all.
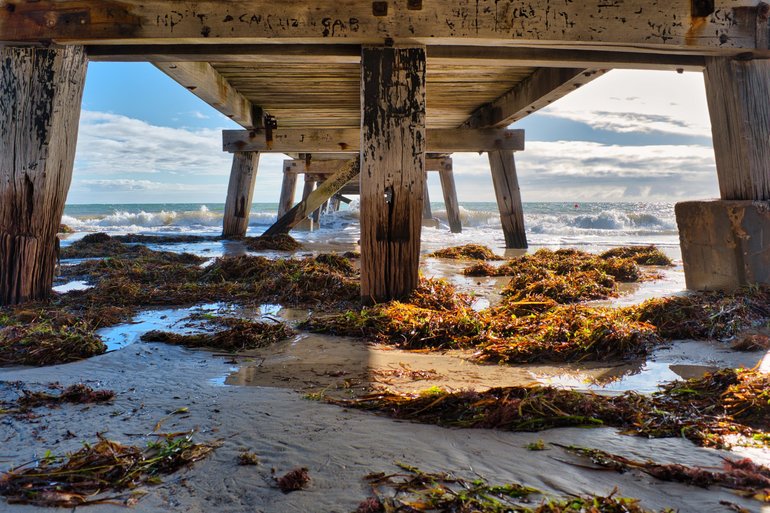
{"x":627,"y":136}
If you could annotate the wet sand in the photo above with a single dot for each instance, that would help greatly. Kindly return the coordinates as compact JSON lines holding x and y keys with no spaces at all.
{"x":257,"y":401}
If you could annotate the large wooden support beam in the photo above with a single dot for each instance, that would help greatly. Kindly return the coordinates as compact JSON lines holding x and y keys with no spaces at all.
{"x":393,"y":142}
{"x":40,"y":94}
{"x":330,"y":166}
{"x":446,"y":174}
{"x":348,"y":140}
{"x":207,"y":84}
{"x":645,"y":24}
{"x":427,"y":213}
{"x":314,"y":199}
{"x":738,"y":94}
{"x":288,"y":189}
{"x":542,"y":88}
{"x":452,"y":55}
{"x":508,"y":195}
{"x":240,"y":192}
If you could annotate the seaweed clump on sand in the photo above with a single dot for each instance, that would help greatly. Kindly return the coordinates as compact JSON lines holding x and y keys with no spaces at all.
{"x":86,"y":476}
{"x":434,"y":316}
{"x":73,"y":394}
{"x":705,"y":315}
{"x":642,"y":255}
{"x":100,"y":245}
{"x":536,"y":329}
{"x":45,"y":343}
{"x":466,"y":252}
{"x":742,"y":475}
{"x":412,"y":489}
{"x":279,"y":242}
{"x":566,"y":333}
{"x":237,"y":335}
{"x":719,"y":410}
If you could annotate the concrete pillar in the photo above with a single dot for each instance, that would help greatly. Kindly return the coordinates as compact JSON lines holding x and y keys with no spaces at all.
{"x":726,"y":243}
{"x":40,"y":93}
{"x":392,"y":170}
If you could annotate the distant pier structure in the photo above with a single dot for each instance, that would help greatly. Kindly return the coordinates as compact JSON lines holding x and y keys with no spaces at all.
{"x":373,"y":95}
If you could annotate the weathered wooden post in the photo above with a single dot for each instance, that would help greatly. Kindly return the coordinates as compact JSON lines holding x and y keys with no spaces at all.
{"x":309,"y":187}
{"x":508,"y":196}
{"x":726,"y":243}
{"x":392,"y":170}
{"x":288,"y":188}
{"x":427,"y":213}
{"x":446,"y":174}
{"x":240,"y":192}
{"x":40,"y":93}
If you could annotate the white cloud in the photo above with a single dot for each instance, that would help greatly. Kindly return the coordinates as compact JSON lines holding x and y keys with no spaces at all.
{"x":639,"y":101}
{"x":120,"y":145}
{"x":124,"y":185}
{"x":198,"y":115}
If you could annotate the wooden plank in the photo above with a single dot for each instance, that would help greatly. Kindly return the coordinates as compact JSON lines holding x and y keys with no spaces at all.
{"x":446,"y":174}
{"x":240,"y":193}
{"x":458,"y":55}
{"x":737,"y":93}
{"x":39,"y":112}
{"x":314,"y":200}
{"x":335,"y":140}
{"x":393,"y":139}
{"x":508,"y":195}
{"x":646,"y":24}
{"x":542,"y":88}
{"x":206,"y":83}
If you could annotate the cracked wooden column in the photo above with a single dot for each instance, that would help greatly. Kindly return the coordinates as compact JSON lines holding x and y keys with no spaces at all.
{"x":40,"y":93}
{"x":726,"y":243}
{"x":392,"y":170}
{"x":503,"y":166}
{"x":288,"y":188}
{"x":446,"y":174}
{"x":240,"y":192}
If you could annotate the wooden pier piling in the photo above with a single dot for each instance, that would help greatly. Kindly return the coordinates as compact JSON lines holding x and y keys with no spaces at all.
{"x":392,"y":170}
{"x":288,"y":189}
{"x":506,"y":185}
{"x":40,"y":93}
{"x":240,"y":193}
{"x":447,"y":177}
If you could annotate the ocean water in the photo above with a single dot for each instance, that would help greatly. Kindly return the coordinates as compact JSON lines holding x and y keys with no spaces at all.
{"x":547,"y":224}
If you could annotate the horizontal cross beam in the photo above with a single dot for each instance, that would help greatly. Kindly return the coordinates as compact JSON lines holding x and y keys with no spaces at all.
{"x":347,"y":140}
{"x":442,"y":55}
{"x":326,"y":167}
{"x":716,"y":26}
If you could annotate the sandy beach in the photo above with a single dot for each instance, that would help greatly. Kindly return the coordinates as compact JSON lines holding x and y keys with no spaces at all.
{"x":265,"y":401}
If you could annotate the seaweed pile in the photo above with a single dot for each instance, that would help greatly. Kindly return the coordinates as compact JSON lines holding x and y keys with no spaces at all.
{"x":742,"y":475}
{"x":46,"y":342}
{"x":101,"y":245}
{"x":237,"y":335}
{"x":721,"y":409}
{"x":85,"y":476}
{"x":466,"y":252}
{"x":73,"y":394}
{"x":412,"y":489}
{"x":568,"y":275}
{"x":280,"y":242}
{"x":538,"y":329}
{"x":642,"y":255}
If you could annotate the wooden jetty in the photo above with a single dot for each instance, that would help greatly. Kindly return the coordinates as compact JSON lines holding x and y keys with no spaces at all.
{"x":386,"y":82}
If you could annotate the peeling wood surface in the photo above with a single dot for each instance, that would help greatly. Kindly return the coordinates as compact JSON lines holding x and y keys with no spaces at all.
{"x":438,"y":140}
{"x":314,"y":200}
{"x":240,"y":193}
{"x":506,"y":185}
{"x":40,"y":94}
{"x":738,"y":94}
{"x":393,"y":140}
{"x":656,"y":23}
